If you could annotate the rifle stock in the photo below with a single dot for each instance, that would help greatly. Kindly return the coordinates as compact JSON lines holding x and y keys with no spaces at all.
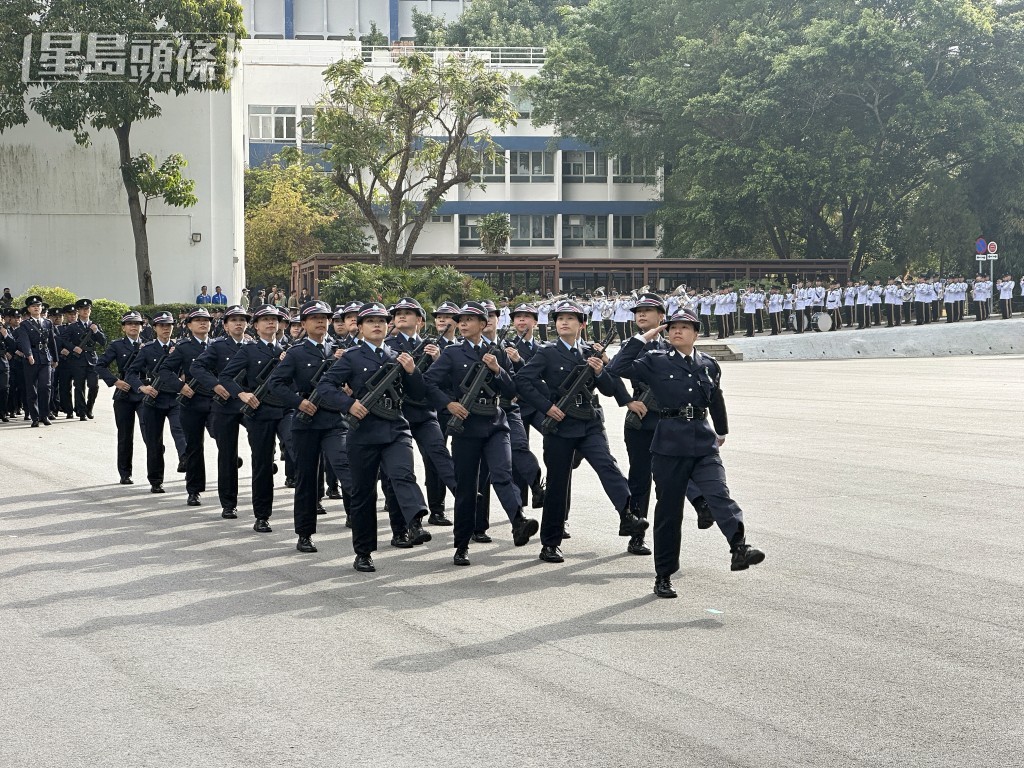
{"x":581,"y":381}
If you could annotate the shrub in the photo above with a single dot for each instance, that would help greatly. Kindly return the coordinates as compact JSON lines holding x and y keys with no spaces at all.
{"x":54,"y":296}
{"x":107,"y":315}
{"x":148,"y":310}
{"x":430,"y":286}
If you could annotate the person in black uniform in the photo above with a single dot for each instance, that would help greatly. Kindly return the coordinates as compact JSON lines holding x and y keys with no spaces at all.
{"x":265,"y":421}
{"x":62,"y":377}
{"x":582,"y":430}
{"x":15,"y":394}
{"x":407,"y":317}
{"x":157,"y":404}
{"x":79,"y":340}
{"x":648,"y":313}
{"x":227,"y":412}
{"x":344,"y":335}
{"x":38,"y":346}
{"x":684,"y":446}
{"x":382,"y":440}
{"x":525,"y":467}
{"x":484,"y":436}
{"x":445,"y":326}
{"x":127,"y":403}
{"x":196,"y":402}
{"x":7,"y":348}
{"x":321,"y":436}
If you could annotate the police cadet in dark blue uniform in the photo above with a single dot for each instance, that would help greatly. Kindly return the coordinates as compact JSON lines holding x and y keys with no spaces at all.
{"x":382,"y":440}
{"x":62,"y":400}
{"x":7,"y":348}
{"x":539,"y":384}
{"x":15,"y":392}
{"x":265,"y":419}
{"x":524,"y":346}
{"x":686,"y":384}
{"x":485,"y":429}
{"x":322,"y":435}
{"x":141,"y":377}
{"x":127,"y":402}
{"x":344,"y":334}
{"x":38,"y":346}
{"x":226,"y":412}
{"x":196,"y":402}
{"x":79,"y":339}
{"x":445,"y":325}
{"x":407,"y":316}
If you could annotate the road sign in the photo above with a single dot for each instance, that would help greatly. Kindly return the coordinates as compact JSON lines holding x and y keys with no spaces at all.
{"x":981,"y":257}
{"x":993,"y":256}
{"x":993,"y":247}
{"x":980,"y":245}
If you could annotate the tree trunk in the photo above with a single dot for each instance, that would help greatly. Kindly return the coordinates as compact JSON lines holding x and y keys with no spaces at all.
{"x":138,"y":218}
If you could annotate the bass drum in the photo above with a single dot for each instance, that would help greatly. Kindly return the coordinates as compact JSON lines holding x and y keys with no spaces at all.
{"x":821,"y":321}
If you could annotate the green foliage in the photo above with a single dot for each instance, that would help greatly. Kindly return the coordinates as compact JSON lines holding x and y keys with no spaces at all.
{"x":800,"y":129}
{"x":498,"y":23}
{"x":107,"y":315}
{"x":165,"y":182}
{"x":430,"y":286}
{"x":400,"y":143}
{"x":17,"y":19}
{"x":495,"y":230}
{"x":375,"y":38}
{"x":148,"y":310}
{"x":53,"y":296}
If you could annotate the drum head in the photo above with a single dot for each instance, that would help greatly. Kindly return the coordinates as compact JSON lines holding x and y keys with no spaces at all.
{"x":821,"y":321}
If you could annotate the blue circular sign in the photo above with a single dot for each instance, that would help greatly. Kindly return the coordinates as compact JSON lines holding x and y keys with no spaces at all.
{"x":980,"y":245}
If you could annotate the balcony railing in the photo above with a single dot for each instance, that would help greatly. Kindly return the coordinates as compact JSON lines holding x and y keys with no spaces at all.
{"x":492,"y":57}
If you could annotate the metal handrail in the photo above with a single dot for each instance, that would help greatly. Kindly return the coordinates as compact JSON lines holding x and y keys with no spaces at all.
{"x":493,"y":57}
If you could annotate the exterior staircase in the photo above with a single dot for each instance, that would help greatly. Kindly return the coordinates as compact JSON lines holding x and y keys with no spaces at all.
{"x":719,"y":351}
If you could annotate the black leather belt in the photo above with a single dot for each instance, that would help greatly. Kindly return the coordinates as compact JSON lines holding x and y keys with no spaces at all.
{"x":689,"y":413}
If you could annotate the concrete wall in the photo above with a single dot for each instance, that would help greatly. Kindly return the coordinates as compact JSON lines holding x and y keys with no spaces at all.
{"x":64,"y":215}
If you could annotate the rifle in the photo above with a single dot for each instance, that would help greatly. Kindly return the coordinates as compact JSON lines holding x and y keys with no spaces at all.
{"x":582,"y":378}
{"x":315,"y":397}
{"x":471,"y":385}
{"x":381,"y":389}
{"x":237,"y":378}
{"x":156,"y":384}
{"x":119,"y":394}
{"x":261,"y":387}
{"x":633,"y":420}
{"x":86,"y":342}
{"x":192,"y":384}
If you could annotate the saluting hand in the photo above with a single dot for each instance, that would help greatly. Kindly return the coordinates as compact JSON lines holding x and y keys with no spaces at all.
{"x":408,"y":364}
{"x":652,"y":334}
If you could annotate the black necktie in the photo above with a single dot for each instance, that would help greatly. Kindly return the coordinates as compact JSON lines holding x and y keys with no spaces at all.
{"x":687,"y":359}
{"x":320,"y":349}
{"x":380,"y":353}
{"x":576,"y":353}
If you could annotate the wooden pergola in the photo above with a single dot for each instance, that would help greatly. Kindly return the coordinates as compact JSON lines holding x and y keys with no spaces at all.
{"x":547,"y":273}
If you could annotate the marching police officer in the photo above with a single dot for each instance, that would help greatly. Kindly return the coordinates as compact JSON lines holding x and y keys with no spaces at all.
{"x":684,"y":446}
{"x":79,"y":340}
{"x":480,"y":432}
{"x":38,"y":347}
{"x":127,"y":402}
{"x":142,"y":378}
{"x":542,"y":383}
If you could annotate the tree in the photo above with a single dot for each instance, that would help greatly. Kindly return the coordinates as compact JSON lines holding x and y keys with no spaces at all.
{"x":280,"y":232}
{"x":497,"y":23}
{"x":93,"y":103}
{"x":791,"y":129}
{"x":495,"y":230}
{"x":17,"y":19}
{"x":430,"y":286}
{"x":400,"y":143}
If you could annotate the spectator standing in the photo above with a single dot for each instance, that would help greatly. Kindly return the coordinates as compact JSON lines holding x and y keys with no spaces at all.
{"x":219,"y":297}
{"x":6,"y":300}
{"x":245,"y":298}
{"x":204,"y":297}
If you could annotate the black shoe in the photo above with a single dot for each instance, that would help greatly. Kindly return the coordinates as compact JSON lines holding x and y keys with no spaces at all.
{"x":4,"y":418}
{"x":262,"y":526}
{"x":417,"y":534}
{"x":481,"y":538}
{"x":744,"y":556}
{"x":538,"y":493}
{"x":704,"y":517}
{"x":82,"y":418}
{"x":35,"y":423}
{"x":89,"y":413}
{"x":127,"y":481}
{"x":364,"y":564}
{"x":461,"y":556}
{"x":348,"y":521}
{"x":229,"y":513}
{"x":69,"y":416}
{"x":637,"y":546}
{"x":320,"y":509}
{"x":45,"y":422}
{"x":631,"y":525}
{"x":522,"y":529}
{"x":551,"y":555}
{"x":333,"y":492}
{"x":289,"y":482}
{"x":157,"y":488}
{"x":402,"y":540}
{"x":181,"y":465}
{"x":663,"y":587}
{"x":305,"y":544}
{"x":438,"y":518}
{"x":193,"y":500}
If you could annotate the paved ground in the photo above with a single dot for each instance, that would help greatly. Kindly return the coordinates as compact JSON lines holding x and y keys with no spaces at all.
{"x":883,"y":630}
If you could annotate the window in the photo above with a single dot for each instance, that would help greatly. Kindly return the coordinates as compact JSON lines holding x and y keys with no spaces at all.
{"x":585,"y":167}
{"x":306,"y":124}
{"x":272,"y":123}
{"x":469,"y":231}
{"x":519,"y":97}
{"x":441,"y":219}
{"x":526,"y":167}
{"x":633,"y":231}
{"x":584,"y":230}
{"x":633,"y":170}
{"x":532,"y":230}
{"x":492,"y":169}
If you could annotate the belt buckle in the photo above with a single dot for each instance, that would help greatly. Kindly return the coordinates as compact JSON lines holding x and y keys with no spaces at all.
{"x":388,"y":403}
{"x":688,"y":411}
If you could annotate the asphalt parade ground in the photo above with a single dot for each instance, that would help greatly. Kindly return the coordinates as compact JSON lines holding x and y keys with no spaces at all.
{"x":884,"y":628}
